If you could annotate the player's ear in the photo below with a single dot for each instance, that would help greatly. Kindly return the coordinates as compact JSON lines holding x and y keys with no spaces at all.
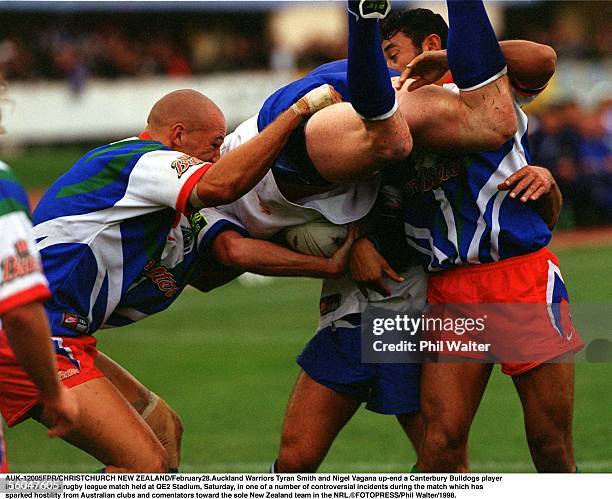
{"x":178,"y":134}
{"x":432,"y":42}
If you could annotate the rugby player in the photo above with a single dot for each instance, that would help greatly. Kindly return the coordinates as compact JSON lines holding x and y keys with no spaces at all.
{"x":24,"y":328}
{"x":483,"y":239}
{"x":119,"y":235}
{"x":328,"y":166}
{"x":306,"y":439}
{"x":386,"y":388}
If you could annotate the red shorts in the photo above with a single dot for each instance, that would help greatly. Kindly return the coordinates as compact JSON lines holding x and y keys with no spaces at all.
{"x":514,"y":312}
{"x":75,"y":364}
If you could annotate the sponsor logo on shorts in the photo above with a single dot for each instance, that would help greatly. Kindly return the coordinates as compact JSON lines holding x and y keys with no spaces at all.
{"x":68,"y":373}
{"x":183,"y":163}
{"x":162,"y":278}
{"x":329,"y":304}
{"x":20,"y":264}
{"x":75,"y":322}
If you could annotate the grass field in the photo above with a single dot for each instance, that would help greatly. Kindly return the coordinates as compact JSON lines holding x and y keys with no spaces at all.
{"x":225,"y":362}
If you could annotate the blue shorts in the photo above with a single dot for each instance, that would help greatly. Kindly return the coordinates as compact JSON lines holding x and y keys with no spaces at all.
{"x":333,"y":359}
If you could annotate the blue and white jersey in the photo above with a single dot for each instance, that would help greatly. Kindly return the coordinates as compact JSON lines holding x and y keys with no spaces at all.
{"x":332,"y":73}
{"x":115,"y":240}
{"x":455,"y":215}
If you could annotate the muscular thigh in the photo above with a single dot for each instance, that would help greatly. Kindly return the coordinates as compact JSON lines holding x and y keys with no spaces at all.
{"x":547,"y":394}
{"x":451,"y":392}
{"x":344,"y":148}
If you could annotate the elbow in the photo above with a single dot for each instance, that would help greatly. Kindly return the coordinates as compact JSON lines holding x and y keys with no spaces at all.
{"x":548,"y":58}
{"x":504,"y":127}
{"x":228,"y":249}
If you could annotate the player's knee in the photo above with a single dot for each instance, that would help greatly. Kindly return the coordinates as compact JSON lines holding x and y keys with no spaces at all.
{"x":449,"y":441}
{"x":552,"y":453}
{"x":297,"y":457}
{"x":394,"y":145}
{"x":297,"y":461}
{"x":501,"y":124}
{"x":168,"y":428}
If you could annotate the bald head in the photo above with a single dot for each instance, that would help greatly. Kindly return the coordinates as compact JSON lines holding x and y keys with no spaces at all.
{"x":188,"y":121}
{"x":182,"y":106}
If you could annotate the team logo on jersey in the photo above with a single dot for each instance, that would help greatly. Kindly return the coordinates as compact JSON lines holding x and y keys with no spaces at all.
{"x":431,"y":170}
{"x":183,"y":163}
{"x":161,"y":277}
{"x":20,"y":264}
{"x":329,"y":304}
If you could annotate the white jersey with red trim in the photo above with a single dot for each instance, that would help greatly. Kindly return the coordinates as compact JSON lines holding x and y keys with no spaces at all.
{"x":113,"y":235}
{"x":264,"y":211}
{"x":21,"y":277}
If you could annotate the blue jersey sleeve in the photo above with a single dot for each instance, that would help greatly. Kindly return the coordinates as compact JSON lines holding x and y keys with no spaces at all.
{"x":332,"y":73}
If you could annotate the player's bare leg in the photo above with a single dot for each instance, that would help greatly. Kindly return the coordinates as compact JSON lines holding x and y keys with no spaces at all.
{"x":450,"y":396}
{"x":413,"y":427}
{"x":378,"y":128}
{"x":164,"y":422}
{"x":111,"y":430}
{"x":344,"y":147}
{"x":547,"y":395}
{"x":315,"y":415}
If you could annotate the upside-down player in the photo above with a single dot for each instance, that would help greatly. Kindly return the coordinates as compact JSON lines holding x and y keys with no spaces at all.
{"x":329,"y":165}
{"x":298,"y":172}
{"x":483,"y":239}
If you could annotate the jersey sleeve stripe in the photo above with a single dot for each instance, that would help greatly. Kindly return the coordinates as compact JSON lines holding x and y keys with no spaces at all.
{"x":183,"y":197}
{"x":39,"y":292}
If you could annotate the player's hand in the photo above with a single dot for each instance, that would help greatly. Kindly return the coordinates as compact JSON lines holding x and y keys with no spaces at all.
{"x":425,"y":69}
{"x":62,"y":411}
{"x":530,"y":183}
{"x":369,"y":269}
{"x":315,"y":100}
{"x":340,"y":258}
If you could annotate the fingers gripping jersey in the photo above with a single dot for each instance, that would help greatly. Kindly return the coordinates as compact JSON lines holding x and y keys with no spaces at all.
{"x":113,"y":235}
{"x":21,"y":278}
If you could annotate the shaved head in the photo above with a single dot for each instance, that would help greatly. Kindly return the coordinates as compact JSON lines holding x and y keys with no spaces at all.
{"x":182,"y":106}
{"x":188,"y":121}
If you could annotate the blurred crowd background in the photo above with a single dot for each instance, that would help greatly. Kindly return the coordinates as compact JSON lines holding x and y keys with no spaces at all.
{"x":77,"y":44}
